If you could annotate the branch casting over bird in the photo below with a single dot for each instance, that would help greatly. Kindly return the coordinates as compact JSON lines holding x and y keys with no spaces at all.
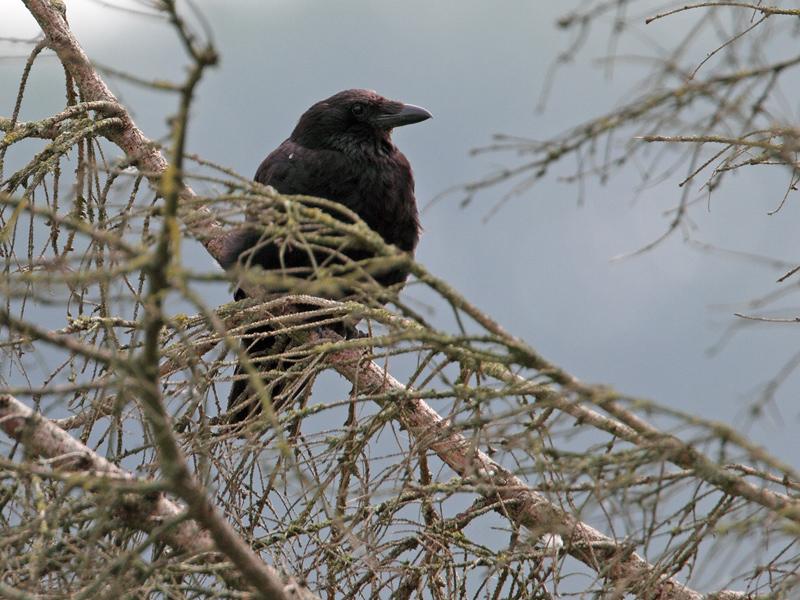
{"x":340,"y":150}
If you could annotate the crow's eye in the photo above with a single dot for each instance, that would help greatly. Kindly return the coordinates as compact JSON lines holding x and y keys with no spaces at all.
{"x":357,"y":109}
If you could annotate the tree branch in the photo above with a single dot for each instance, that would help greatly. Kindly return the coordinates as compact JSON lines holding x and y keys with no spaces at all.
{"x":42,"y":437}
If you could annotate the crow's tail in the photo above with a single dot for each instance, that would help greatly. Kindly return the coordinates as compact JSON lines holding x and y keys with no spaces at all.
{"x":262,"y":347}
{"x":285,"y":380}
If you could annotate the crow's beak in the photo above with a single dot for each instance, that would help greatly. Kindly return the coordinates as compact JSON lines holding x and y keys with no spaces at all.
{"x":406,"y":115}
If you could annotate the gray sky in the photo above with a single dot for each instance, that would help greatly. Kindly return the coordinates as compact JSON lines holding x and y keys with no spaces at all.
{"x":542,"y":264}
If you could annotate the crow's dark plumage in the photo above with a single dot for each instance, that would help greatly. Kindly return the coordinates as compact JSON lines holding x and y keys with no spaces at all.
{"x":340,"y":150}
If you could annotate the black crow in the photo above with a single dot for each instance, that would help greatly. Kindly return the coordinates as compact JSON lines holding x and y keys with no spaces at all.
{"x":340,"y":150}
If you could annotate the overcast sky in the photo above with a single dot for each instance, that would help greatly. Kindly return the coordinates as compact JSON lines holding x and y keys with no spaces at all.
{"x":542,"y":264}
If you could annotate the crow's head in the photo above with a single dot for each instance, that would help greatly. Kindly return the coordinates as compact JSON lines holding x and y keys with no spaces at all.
{"x":352,"y":118}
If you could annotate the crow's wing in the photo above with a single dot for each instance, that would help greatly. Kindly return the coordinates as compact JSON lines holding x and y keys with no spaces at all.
{"x":295,"y":169}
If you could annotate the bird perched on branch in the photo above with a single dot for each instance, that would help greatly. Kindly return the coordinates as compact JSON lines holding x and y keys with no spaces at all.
{"x":341,"y":150}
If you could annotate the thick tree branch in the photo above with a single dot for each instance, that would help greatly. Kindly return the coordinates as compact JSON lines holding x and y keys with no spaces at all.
{"x":623,"y":568}
{"x":140,"y":150}
{"x":42,"y":437}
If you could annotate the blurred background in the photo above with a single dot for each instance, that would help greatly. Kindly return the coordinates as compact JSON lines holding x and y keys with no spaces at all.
{"x":660,"y":324}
